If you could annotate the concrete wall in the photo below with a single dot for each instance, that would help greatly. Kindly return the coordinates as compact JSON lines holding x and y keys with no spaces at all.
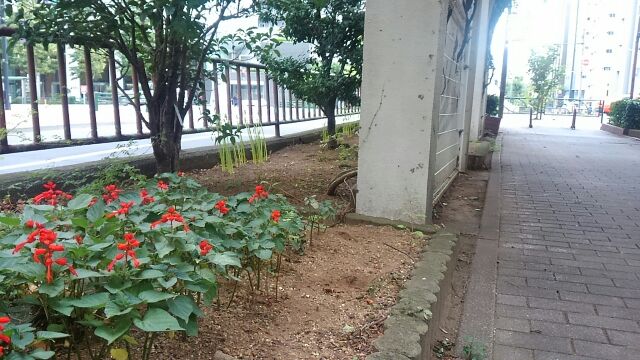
{"x":417,"y":107}
{"x":398,"y":107}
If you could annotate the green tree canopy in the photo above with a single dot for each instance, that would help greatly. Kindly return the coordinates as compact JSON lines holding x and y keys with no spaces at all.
{"x":545,"y":77}
{"x":335,"y":31}
{"x":167,"y":42}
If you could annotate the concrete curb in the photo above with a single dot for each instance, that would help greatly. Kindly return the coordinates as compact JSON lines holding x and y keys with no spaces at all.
{"x":29,"y":183}
{"x":412,"y":326}
{"x":480,"y":301}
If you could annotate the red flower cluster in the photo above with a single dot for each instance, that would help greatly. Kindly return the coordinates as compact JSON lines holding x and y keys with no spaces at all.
{"x":123,"y":210}
{"x":275,"y":215}
{"x":146,"y":199}
{"x":79,"y":239}
{"x":171,"y":216}
{"x":130,"y":243}
{"x":44,"y":255}
{"x":222,"y":207}
{"x":51,"y":196}
{"x":163,"y":185}
{"x":112,"y":193}
{"x":205,"y":247}
{"x":260,"y":193}
{"x":5,"y":341}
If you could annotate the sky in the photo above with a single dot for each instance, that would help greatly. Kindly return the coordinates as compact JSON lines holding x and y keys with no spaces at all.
{"x":533,"y":25}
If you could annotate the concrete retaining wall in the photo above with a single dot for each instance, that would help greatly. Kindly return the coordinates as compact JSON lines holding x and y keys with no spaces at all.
{"x":413,"y":323}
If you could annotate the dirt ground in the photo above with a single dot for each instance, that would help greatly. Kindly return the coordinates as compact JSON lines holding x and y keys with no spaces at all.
{"x":460,"y":211}
{"x":332,"y":300}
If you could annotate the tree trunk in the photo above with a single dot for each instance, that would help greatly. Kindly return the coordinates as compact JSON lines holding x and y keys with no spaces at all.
{"x":330,"y":112}
{"x":166,"y":134}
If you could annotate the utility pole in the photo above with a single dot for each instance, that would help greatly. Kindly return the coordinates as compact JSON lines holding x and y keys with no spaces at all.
{"x":575,"y":44}
{"x":505,"y":60}
{"x":635,"y":62}
{"x":5,"y":61}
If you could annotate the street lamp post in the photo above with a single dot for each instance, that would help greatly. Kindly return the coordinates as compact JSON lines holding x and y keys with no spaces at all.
{"x":635,"y":63}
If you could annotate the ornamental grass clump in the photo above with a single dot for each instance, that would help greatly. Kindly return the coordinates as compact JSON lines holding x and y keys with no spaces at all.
{"x":104,"y":274}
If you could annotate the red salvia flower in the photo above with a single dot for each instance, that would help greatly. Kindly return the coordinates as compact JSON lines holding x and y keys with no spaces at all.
{"x":111,"y":194}
{"x":260,"y":193}
{"x":51,"y":195}
{"x":44,"y":254}
{"x":169,"y":217}
{"x":275,"y":215}
{"x":222,"y":207}
{"x":205,"y":247}
{"x":123,"y":210}
{"x":79,"y":239}
{"x":180,"y":173}
{"x":5,"y":340}
{"x":146,"y":199}
{"x":127,"y":247}
{"x":163,"y":185}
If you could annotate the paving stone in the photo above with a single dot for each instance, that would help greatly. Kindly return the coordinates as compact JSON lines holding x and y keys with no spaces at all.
{"x":575,"y":243}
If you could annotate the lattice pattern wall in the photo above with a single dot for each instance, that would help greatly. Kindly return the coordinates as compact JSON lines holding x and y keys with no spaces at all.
{"x":451,"y":104}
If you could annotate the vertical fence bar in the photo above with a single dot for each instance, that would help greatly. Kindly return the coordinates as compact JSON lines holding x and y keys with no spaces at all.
{"x":239,"y":94}
{"x":290,"y":106}
{"x":114,"y":93}
{"x":276,"y":108}
{"x":33,"y":91}
{"x":4,"y":141}
{"x":250,"y":95}
{"x":259,"y":95}
{"x":303,"y":109}
{"x":309,"y":110}
{"x":192,"y":125}
{"x":297,"y":108}
{"x":268,"y":97}
{"x":216,"y":89}
{"x":64,"y":91}
{"x":205,"y":119}
{"x":90,"y":96}
{"x":136,"y":100}
{"x":284,"y":104}
{"x":229,"y":112}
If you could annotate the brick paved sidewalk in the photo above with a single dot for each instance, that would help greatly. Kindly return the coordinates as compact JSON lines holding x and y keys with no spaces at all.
{"x":568,"y":284}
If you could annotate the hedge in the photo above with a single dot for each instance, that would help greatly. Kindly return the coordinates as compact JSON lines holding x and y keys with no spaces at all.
{"x":625,"y":113}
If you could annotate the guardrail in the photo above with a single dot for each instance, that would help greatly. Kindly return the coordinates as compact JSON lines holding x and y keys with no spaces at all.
{"x":558,"y":106}
{"x":246,"y":97}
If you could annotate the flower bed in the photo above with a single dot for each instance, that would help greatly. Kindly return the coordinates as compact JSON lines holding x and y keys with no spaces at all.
{"x":99,"y":274}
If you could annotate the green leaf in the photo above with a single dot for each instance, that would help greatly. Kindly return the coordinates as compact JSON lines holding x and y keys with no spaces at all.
{"x":225,"y":259}
{"x":50,"y":335}
{"x":84,"y":273}
{"x":80,"y":202}
{"x":96,"y":211}
{"x":54,"y":289}
{"x":112,"y":309}
{"x":157,"y":320}
{"x":167,"y":283}
{"x":150,"y":274}
{"x":91,"y":301}
{"x":183,"y":306}
{"x":153,"y":296}
{"x":164,"y":247}
{"x":62,"y":306}
{"x":11,"y":221}
{"x":119,"y":354}
{"x":264,"y":254}
{"x":22,"y":340}
{"x":115,"y":331}
{"x":42,"y":354}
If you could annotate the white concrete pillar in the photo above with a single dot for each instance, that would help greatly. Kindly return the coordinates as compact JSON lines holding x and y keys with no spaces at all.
{"x":400,"y":97}
{"x":479,"y":65}
{"x":476,"y":76}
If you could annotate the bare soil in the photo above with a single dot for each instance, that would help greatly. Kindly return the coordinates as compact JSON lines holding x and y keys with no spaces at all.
{"x":460,"y":211}
{"x":331,"y":301}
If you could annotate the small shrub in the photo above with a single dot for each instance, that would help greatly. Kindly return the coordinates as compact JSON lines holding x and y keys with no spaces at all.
{"x":625,"y":113}
{"x":493,"y":102}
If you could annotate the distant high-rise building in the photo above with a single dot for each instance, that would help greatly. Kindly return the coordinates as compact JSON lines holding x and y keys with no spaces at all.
{"x":597,"y":49}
